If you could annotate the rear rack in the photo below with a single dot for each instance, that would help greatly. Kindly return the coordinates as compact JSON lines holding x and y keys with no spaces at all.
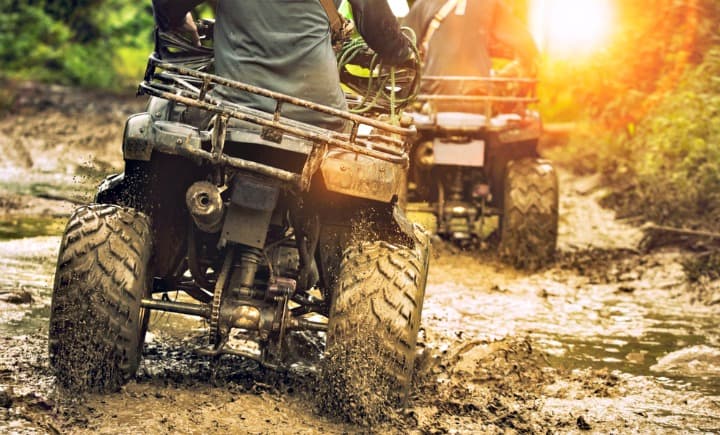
{"x":190,"y":87}
{"x":489,"y":84}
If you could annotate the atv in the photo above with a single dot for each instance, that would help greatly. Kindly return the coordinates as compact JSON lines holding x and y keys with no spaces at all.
{"x":268,"y":225}
{"x":476,"y":157}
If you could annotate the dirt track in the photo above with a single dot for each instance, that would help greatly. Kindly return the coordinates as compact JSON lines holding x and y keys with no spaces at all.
{"x":606,"y":340}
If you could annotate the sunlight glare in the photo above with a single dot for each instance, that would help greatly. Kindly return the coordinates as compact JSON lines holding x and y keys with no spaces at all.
{"x":571,"y":27}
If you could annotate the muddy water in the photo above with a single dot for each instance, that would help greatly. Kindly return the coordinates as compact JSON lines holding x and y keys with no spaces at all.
{"x":627,"y":326}
{"x":616,"y":342}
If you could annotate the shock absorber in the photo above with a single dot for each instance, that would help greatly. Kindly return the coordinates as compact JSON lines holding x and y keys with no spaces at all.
{"x":250,"y":258}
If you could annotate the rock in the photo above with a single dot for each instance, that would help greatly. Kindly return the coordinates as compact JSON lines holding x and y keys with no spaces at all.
{"x":17,"y":297}
{"x":582,"y":424}
{"x":636,"y":357}
{"x":6,"y":398}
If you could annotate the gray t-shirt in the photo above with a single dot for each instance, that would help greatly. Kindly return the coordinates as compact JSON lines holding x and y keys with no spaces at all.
{"x":285,"y":46}
{"x":280,"y":45}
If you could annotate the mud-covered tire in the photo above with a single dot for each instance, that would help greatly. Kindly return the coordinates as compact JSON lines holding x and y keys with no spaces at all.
{"x":97,"y":327}
{"x":529,"y":224}
{"x":373,"y":328}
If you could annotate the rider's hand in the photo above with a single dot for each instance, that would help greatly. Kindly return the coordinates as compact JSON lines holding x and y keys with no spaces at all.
{"x":189,"y":27}
{"x":515,"y":69}
{"x":511,"y":70}
{"x":407,"y":60}
{"x":403,"y":58}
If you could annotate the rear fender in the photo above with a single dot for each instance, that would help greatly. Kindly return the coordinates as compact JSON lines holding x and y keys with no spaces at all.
{"x":362,"y":176}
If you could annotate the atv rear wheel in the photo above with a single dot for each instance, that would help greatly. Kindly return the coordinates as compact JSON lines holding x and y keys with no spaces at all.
{"x":529,"y":224}
{"x":97,"y":327}
{"x":373,"y":327}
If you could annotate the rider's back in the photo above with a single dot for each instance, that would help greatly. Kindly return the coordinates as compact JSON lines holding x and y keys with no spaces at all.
{"x":467,"y":39}
{"x":280,"y":45}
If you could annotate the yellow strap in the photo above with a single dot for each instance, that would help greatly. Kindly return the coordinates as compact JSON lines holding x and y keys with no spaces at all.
{"x":435,"y":23}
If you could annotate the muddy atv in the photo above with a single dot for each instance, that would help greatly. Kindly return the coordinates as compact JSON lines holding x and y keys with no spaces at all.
{"x":476,"y":158}
{"x":267,"y":225}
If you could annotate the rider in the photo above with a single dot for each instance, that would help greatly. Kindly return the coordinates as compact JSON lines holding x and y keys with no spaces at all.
{"x":286,"y":47}
{"x":459,"y":38}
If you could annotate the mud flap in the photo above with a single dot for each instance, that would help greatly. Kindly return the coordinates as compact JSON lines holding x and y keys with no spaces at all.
{"x":251,"y":206}
{"x":412,"y":230}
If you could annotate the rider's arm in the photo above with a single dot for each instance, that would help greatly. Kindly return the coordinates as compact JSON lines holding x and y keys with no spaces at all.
{"x":171,"y":14}
{"x":510,"y":32}
{"x":420,"y":15}
{"x":379,"y":28}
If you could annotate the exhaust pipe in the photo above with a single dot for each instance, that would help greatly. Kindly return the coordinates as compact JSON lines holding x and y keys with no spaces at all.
{"x":206,"y":206}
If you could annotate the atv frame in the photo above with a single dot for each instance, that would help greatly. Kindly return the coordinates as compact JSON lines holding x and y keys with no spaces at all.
{"x":251,"y":216}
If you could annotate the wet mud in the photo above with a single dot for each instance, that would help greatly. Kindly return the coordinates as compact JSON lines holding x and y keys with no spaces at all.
{"x":608,"y":339}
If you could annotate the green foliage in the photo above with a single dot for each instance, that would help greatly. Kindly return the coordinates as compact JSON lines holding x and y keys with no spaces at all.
{"x":93,"y":43}
{"x":677,"y":150}
{"x":652,"y":115}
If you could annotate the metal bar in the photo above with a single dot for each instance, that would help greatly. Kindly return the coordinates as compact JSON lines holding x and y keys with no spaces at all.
{"x":399,"y":157}
{"x":479,"y":79}
{"x":218,"y":138}
{"x":155,"y":87}
{"x":306,"y":325}
{"x":478,"y":98}
{"x":278,"y":109}
{"x":177,"y":307}
{"x":235,"y":162}
{"x":354,"y":132}
{"x":205,"y":88}
{"x":282,"y":97}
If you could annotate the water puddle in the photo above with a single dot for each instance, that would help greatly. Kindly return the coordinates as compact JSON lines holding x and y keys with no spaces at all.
{"x":28,"y":266}
{"x":643,"y":331}
{"x":680,"y":352}
{"x":21,"y":227}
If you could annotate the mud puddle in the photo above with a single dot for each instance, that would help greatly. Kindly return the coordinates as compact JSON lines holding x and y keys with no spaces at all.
{"x":501,"y":350}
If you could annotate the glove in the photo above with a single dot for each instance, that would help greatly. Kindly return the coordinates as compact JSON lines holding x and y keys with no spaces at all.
{"x":188,"y":26}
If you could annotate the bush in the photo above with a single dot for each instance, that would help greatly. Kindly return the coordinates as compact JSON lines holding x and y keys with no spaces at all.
{"x":652,"y":123}
{"x":75,"y":42}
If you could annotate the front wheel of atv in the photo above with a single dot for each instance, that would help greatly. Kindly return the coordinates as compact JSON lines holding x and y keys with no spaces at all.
{"x":97,"y":327}
{"x":529,"y":225}
{"x":373,"y":328}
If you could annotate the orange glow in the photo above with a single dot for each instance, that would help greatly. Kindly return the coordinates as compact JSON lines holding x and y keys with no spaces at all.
{"x":565,"y":28}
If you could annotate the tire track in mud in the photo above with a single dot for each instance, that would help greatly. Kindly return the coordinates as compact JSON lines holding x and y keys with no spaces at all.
{"x":488,"y":375}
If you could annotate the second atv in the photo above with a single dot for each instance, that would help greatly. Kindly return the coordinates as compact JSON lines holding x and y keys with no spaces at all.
{"x":476,"y":157}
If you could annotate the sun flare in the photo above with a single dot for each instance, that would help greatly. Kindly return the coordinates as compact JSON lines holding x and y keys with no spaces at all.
{"x":571,"y":27}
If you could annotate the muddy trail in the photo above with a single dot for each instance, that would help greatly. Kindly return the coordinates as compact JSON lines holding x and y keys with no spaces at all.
{"x":608,"y":339}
